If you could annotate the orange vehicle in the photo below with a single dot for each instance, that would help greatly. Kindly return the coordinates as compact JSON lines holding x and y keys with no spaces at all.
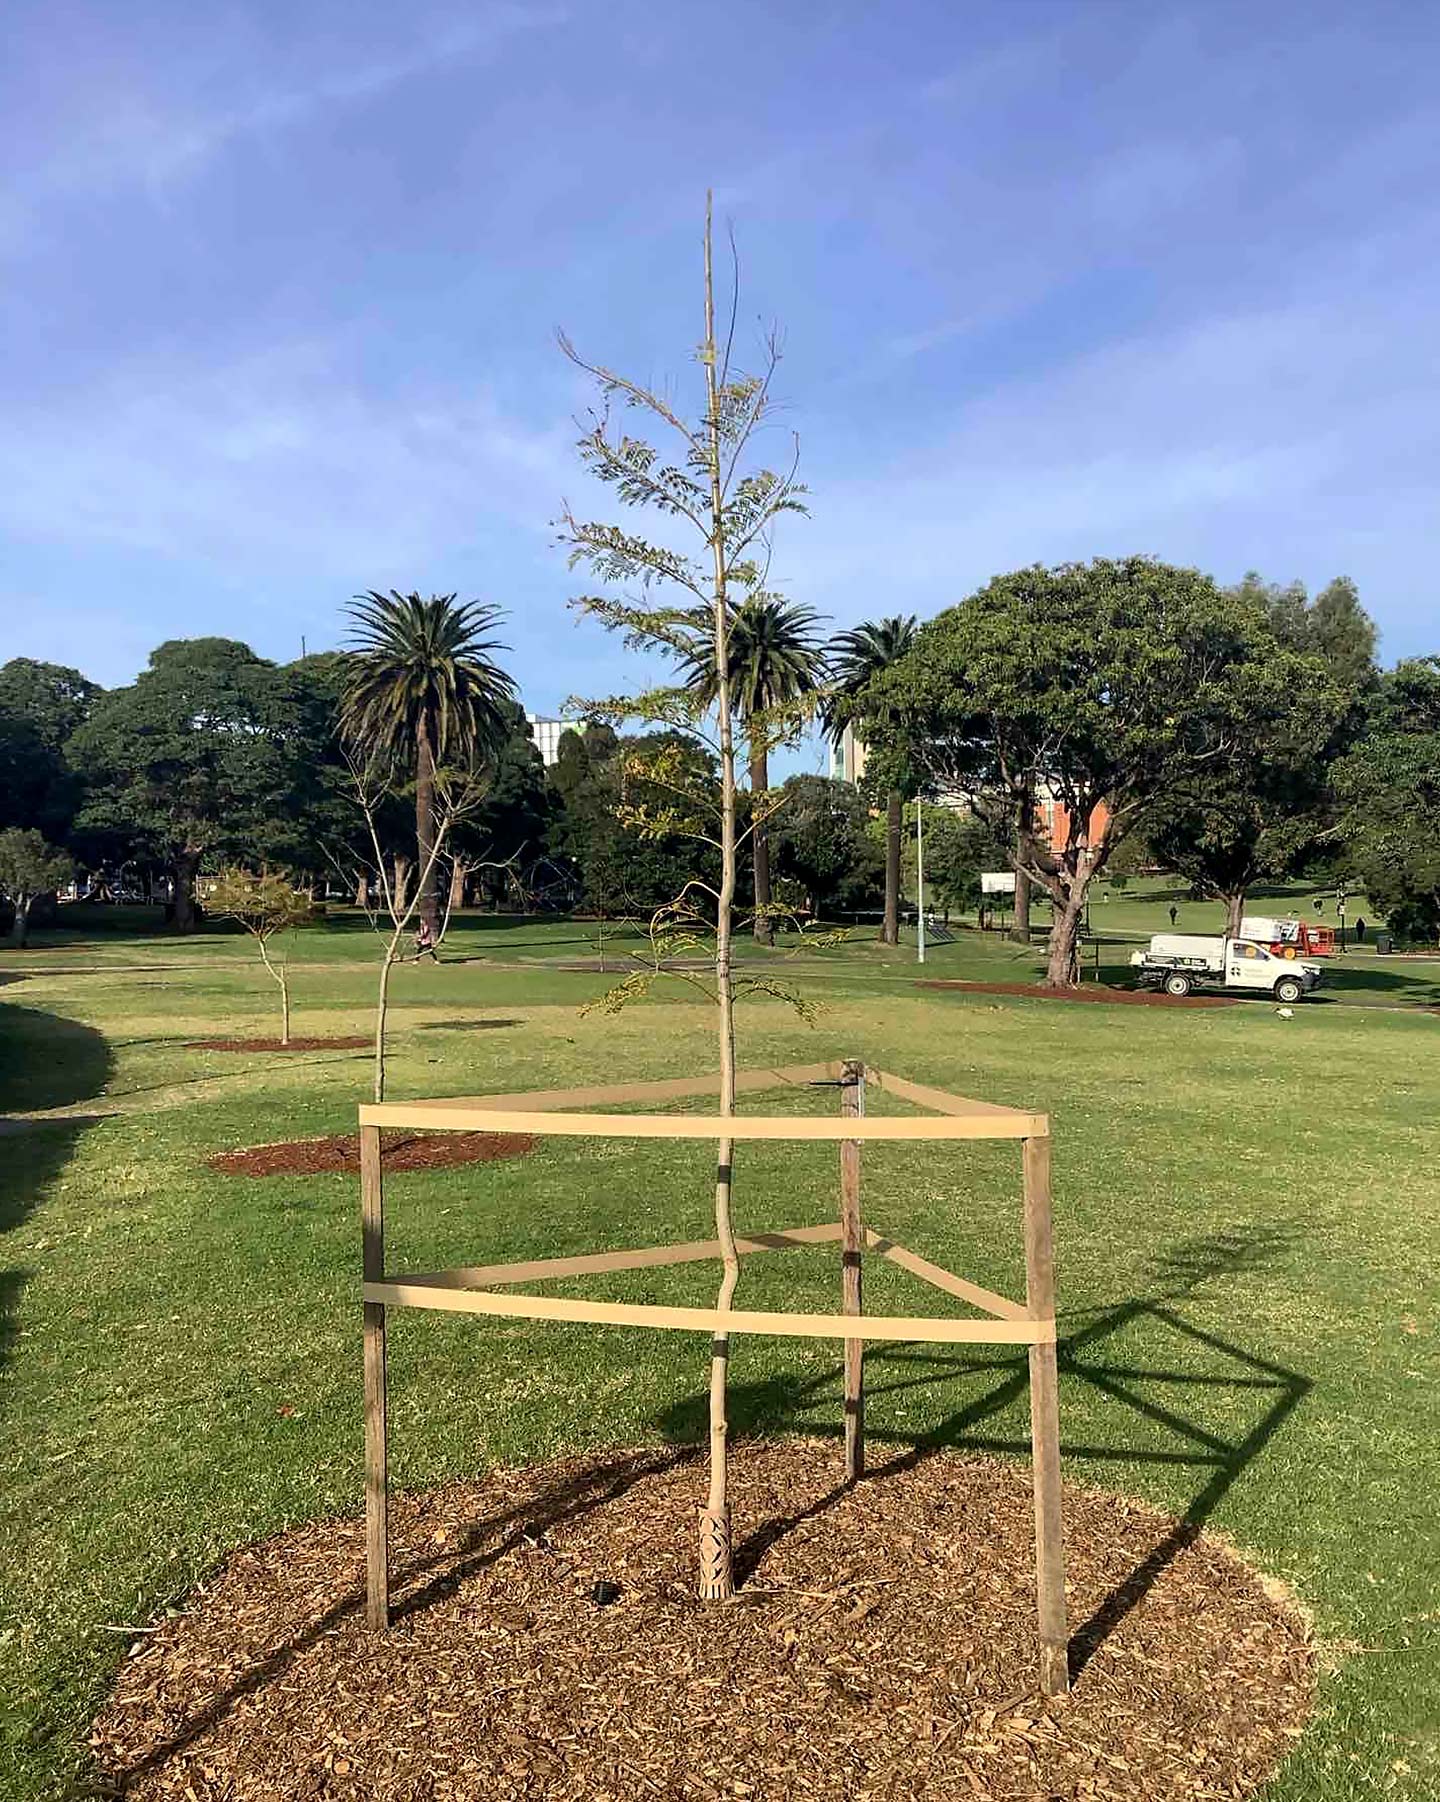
{"x":1289,"y":938}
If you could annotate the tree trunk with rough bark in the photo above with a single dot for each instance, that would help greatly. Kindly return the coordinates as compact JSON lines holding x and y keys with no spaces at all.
{"x":425,"y":827}
{"x":894,"y":823}
{"x":1234,"y":913}
{"x":459,"y":871}
{"x":183,"y":868}
{"x":1062,"y":969}
{"x":760,"y":844}
{"x":362,"y":890}
{"x":400,"y":892}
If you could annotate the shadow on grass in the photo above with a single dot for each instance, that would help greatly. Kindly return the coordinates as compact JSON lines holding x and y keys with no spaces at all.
{"x":1265,"y":1393}
{"x":45,"y":1061}
{"x":467,"y":1025}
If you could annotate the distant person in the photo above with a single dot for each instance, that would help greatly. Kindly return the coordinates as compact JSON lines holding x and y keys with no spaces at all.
{"x":1174,"y":916}
{"x":425,"y":943}
{"x":1319,"y":905}
{"x":1359,"y":929}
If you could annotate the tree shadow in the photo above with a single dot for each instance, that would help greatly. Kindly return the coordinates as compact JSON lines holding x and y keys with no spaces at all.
{"x":1263,"y":1394}
{"x":46,"y":1061}
{"x":467,"y":1025}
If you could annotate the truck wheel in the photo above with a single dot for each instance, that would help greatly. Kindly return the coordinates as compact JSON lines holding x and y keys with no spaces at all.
{"x":1177,"y":985}
{"x":1289,"y":988}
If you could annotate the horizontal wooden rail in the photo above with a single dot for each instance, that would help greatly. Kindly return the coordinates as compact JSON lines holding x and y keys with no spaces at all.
{"x":601,"y":1263}
{"x":402,"y":1294}
{"x":423,"y":1114}
{"x":959,"y":1286}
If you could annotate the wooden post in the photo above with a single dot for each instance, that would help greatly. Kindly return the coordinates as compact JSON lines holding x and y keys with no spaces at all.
{"x":1045,"y":1422}
{"x":852,"y":1239}
{"x":377,"y":1498}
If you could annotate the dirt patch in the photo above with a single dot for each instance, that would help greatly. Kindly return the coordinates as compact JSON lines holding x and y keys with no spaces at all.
{"x":548,"y":1642}
{"x":403,"y":1151}
{"x":352,"y":1043}
{"x":1095,"y":991}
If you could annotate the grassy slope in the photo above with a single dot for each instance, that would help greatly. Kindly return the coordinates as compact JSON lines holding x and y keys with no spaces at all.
{"x":1247,"y":1220}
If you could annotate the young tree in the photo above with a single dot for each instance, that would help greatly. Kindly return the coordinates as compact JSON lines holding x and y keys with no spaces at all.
{"x":391,"y":910}
{"x":266,"y":905}
{"x":28,"y":868}
{"x":856,"y":658}
{"x":775,"y":664}
{"x":1101,"y":685}
{"x":422,"y":687}
{"x":730,"y":507}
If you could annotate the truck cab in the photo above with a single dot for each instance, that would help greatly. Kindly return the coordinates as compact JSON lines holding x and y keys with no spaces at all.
{"x":1180,"y":962}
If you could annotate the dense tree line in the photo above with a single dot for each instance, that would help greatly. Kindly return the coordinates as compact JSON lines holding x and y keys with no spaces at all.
{"x":1235,"y":736}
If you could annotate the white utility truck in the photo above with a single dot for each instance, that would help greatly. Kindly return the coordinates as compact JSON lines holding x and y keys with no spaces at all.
{"x":1179,"y":962}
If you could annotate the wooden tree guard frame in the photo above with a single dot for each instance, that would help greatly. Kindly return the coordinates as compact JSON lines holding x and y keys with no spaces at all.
{"x":472,"y":1289}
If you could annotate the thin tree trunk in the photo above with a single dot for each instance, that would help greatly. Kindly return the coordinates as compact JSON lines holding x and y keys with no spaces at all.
{"x":381,"y":1005}
{"x":425,"y":827}
{"x":760,"y":843}
{"x":362,"y":890}
{"x":1024,"y":829}
{"x":894,"y":824}
{"x":717,"y":1580}
{"x":282,"y":976}
{"x":1234,"y":914}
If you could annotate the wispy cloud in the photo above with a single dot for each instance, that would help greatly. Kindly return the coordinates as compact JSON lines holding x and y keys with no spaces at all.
{"x":135,"y":132}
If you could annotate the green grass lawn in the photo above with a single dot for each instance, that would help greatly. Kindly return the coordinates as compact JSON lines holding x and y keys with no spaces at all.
{"x":1247,"y":1239}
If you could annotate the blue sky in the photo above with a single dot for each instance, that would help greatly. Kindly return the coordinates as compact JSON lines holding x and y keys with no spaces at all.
{"x":278,"y":286}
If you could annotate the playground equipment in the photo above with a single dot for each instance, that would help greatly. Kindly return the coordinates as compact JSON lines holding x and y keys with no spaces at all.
{"x":479,"y":1289}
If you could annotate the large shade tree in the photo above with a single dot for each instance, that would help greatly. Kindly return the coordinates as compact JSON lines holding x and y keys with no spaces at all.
{"x":856,"y":658}
{"x":422,"y":688}
{"x":200,"y":755}
{"x":42,"y":706}
{"x":1389,"y":790}
{"x":776,"y":665}
{"x":1097,"y":685}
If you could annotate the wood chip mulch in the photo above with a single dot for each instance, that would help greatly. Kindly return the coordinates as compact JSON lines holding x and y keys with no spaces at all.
{"x":343,"y":1043}
{"x":1094,"y":991}
{"x":402,"y":1150}
{"x":881,"y":1645}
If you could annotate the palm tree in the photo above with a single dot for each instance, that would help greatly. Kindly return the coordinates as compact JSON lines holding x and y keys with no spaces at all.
{"x":421,"y":686}
{"x":775,"y":660}
{"x":855,"y":658}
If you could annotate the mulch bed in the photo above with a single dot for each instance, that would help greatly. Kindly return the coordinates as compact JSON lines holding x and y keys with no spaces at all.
{"x":1096,"y":991}
{"x":881,"y":1646}
{"x":403,"y":1151}
{"x":353,"y":1043}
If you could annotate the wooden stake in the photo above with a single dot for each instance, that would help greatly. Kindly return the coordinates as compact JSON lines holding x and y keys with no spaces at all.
{"x":377,"y":1497}
{"x":852,"y":1105}
{"x":1045,"y":1422}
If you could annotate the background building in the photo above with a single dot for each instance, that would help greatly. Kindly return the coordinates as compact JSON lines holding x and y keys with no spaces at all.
{"x":546,"y":733}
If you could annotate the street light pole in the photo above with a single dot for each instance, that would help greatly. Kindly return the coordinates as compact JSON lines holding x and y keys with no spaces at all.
{"x":920,"y":869}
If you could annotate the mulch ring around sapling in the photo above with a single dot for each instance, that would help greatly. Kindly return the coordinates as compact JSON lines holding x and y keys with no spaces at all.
{"x":1094,"y":992}
{"x":352,"y":1042}
{"x":402,"y":1151}
{"x":547,"y":1641}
